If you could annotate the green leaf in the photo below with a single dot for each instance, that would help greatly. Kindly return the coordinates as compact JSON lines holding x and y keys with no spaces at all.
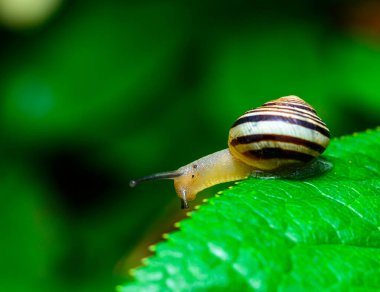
{"x":316,"y":234}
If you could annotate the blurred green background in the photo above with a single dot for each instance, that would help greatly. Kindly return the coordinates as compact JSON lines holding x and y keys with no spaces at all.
{"x":95,"y":93}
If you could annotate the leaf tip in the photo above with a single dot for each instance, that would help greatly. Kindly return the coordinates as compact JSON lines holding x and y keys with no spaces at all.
{"x":177,"y":224}
{"x":152,"y":248}
{"x":145,"y":261}
{"x":165,"y":235}
{"x":132,"y":272}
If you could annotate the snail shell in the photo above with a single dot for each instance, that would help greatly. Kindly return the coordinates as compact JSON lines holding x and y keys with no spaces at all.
{"x":278,"y":133}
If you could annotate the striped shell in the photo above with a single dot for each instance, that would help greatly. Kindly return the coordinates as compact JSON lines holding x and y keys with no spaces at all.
{"x":280,"y":132}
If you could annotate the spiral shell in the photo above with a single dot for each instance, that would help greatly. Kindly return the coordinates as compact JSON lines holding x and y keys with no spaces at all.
{"x":280,"y":132}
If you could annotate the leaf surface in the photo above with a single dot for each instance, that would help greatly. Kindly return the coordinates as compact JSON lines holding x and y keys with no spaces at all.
{"x":318,"y":233}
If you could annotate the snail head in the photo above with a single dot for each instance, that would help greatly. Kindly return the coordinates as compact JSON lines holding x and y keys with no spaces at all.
{"x":184,"y":181}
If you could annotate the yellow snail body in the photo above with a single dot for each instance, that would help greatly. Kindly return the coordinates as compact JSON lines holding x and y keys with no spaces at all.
{"x":281,"y":138}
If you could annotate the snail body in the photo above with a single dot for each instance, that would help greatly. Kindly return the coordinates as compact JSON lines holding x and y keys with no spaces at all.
{"x":281,"y":138}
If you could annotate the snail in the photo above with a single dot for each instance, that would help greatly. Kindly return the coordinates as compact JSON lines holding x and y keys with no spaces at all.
{"x":281,"y":138}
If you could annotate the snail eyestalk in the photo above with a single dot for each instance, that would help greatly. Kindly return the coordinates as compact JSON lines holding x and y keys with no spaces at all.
{"x":157,"y":176}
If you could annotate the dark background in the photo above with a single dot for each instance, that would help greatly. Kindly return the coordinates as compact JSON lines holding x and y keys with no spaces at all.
{"x":95,"y":93}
